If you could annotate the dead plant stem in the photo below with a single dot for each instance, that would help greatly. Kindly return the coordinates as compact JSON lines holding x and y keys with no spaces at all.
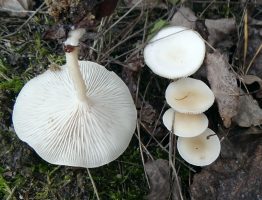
{"x":93,"y":184}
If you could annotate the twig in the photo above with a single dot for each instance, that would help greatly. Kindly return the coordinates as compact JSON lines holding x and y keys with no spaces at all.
{"x":96,"y":40}
{"x":93,"y":184}
{"x":245,"y":36}
{"x":172,"y":156}
{"x":138,"y":132}
{"x":176,"y":177}
{"x":141,"y":153}
{"x":19,"y":28}
{"x":132,"y":8}
{"x":21,"y":11}
{"x":254,"y":57}
{"x":11,"y":194}
{"x":207,"y":8}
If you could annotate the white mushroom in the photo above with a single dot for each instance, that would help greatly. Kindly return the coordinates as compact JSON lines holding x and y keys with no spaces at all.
{"x":185,"y":125}
{"x":200,"y":150}
{"x":82,"y":115}
{"x":189,"y":95}
{"x":175,"y":52}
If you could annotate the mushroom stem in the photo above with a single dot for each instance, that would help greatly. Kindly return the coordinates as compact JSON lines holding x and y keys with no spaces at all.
{"x":75,"y":74}
{"x":71,"y":50}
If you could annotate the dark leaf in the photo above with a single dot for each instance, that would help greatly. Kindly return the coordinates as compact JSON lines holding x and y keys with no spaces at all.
{"x":249,"y":112}
{"x":158,"y":174}
{"x":55,"y":32}
{"x":184,"y":17}
{"x":220,"y":32}
{"x":105,"y":8}
{"x":224,"y":85}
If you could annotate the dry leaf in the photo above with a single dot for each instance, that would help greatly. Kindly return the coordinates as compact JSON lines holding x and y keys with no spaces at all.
{"x":220,"y":31}
{"x":224,"y":85}
{"x":249,"y":79}
{"x":149,"y":114}
{"x":25,"y":3}
{"x":184,"y":17}
{"x":249,"y":112}
{"x":158,"y":174}
{"x":80,"y":13}
{"x":15,"y":7}
{"x":105,"y":8}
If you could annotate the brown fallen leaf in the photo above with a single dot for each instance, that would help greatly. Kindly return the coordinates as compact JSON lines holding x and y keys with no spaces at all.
{"x":149,"y":114}
{"x":80,"y":13}
{"x":224,"y":85}
{"x":251,"y":79}
{"x":184,"y":17}
{"x":15,"y":7}
{"x":105,"y":8}
{"x":220,"y":32}
{"x":55,"y":32}
{"x":249,"y":112}
{"x":158,"y":174}
{"x":26,"y":3}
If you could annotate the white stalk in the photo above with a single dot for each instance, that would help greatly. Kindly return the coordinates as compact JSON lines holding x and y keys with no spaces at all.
{"x":75,"y":74}
{"x":73,"y":65}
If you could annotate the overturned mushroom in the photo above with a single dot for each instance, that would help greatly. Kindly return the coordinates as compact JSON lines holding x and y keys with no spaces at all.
{"x":82,"y":115}
{"x":200,"y":150}
{"x":189,"y":95}
{"x":175,"y":52}
{"x":185,"y":125}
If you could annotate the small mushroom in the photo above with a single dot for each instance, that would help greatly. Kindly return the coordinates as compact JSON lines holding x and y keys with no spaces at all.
{"x":189,"y":95}
{"x":201,"y":150}
{"x":82,"y":115}
{"x":175,"y":52}
{"x":185,"y":125}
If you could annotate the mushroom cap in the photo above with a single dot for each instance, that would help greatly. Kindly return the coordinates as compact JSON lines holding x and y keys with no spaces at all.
{"x":185,"y":125}
{"x":175,"y":52}
{"x":200,"y":150}
{"x":65,"y":131}
{"x":189,"y":95}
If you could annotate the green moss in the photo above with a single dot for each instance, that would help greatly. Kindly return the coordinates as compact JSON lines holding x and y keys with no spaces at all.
{"x":4,"y":188}
{"x":13,"y":85}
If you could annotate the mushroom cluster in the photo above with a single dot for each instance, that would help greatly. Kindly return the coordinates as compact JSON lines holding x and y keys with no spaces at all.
{"x":176,"y":53}
{"x":80,"y":115}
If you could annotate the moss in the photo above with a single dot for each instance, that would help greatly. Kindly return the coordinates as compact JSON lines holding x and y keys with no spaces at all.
{"x":13,"y":85}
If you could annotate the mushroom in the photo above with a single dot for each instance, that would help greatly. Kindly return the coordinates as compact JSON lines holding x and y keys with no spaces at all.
{"x":185,"y":125}
{"x":201,"y":150}
{"x":82,"y":115}
{"x":189,"y":95}
{"x":175,"y":52}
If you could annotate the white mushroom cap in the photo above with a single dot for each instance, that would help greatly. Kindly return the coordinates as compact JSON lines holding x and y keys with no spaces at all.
{"x":175,"y":52}
{"x":185,"y":125}
{"x":200,"y":150}
{"x":64,"y":130}
{"x":189,"y":95}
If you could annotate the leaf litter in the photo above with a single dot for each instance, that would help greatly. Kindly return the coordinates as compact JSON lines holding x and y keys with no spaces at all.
{"x":224,"y":85}
{"x":231,"y":103}
{"x":16,"y":7}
